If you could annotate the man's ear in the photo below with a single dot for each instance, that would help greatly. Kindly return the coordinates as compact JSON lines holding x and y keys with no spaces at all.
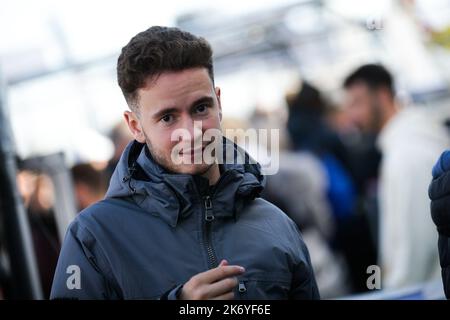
{"x":134,"y":125}
{"x":217,"y":90}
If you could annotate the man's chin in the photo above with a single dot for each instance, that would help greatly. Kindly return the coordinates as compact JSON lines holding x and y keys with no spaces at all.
{"x":192,"y":169}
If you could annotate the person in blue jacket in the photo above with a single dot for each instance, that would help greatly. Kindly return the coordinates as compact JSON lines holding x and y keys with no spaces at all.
{"x":170,"y":229}
{"x":439,"y":193}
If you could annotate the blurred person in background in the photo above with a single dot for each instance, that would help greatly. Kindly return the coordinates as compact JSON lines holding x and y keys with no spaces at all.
{"x":439,"y":193}
{"x":362,"y":162}
{"x":90,"y":184}
{"x":409,"y":141}
{"x":37,"y":192}
{"x":310,"y":131}
{"x":186,"y":230}
{"x":120,"y":136}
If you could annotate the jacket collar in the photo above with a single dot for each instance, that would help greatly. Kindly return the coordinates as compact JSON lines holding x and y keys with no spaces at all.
{"x":173,"y":196}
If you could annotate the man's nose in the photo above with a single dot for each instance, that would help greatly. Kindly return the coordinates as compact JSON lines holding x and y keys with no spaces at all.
{"x":195,"y":129}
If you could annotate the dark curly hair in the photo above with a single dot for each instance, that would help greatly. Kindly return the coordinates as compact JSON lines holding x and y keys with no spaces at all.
{"x":157,"y":50}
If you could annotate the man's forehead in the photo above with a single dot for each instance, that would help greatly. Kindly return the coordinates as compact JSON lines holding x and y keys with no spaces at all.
{"x":182,"y":78}
{"x":358,"y":89}
{"x":176,"y":89}
{"x":358,"y":85}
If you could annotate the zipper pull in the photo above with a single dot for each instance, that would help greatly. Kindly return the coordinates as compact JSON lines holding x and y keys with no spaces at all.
{"x":242,"y":287}
{"x":209,"y":216}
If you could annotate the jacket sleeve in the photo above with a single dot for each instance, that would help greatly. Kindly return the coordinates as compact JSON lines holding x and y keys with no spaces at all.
{"x":444,"y":255}
{"x":439,"y":192}
{"x":304,"y":286}
{"x":78,"y":274}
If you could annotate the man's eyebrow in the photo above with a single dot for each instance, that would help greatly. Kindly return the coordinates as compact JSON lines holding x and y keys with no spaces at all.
{"x":206,"y":99}
{"x":163,"y":112}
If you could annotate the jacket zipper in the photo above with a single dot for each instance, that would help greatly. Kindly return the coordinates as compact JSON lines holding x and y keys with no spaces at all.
{"x":209,"y":217}
{"x":242,"y":289}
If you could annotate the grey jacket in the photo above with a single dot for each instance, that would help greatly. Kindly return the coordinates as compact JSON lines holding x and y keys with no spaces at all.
{"x":155,"y":230}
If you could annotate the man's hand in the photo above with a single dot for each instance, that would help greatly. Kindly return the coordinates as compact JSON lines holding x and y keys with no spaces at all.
{"x":217,"y":283}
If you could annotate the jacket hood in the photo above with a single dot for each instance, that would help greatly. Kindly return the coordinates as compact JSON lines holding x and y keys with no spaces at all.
{"x":172,"y":196}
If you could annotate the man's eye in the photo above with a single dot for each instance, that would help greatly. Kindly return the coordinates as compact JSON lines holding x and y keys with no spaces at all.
{"x":202,"y":108}
{"x":167,"y":118}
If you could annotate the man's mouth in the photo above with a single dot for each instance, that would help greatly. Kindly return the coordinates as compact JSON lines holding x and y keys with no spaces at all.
{"x":192,"y":152}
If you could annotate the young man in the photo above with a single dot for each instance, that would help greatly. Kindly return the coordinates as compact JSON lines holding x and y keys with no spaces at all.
{"x":172,"y":229}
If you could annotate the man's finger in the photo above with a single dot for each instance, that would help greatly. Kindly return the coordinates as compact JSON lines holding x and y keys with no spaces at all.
{"x":223,"y":263}
{"x":220,"y":273}
{"x":222,"y":287}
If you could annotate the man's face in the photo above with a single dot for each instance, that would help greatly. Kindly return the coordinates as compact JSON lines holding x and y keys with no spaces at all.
{"x":175,"y":101}
{"x":362,"y":107}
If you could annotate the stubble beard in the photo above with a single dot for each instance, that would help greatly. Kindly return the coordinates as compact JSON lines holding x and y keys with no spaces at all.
{"x":166,"y":162}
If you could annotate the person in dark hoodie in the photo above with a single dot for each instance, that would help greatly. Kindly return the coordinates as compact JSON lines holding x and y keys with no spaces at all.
{"x":439,"y":193}
{"x":176,"y":230}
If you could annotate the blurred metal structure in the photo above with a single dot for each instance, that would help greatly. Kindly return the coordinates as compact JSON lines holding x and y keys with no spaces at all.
{"x":266,"y":35}
{"x":13,"y":218}
{"x":54,"y":166}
